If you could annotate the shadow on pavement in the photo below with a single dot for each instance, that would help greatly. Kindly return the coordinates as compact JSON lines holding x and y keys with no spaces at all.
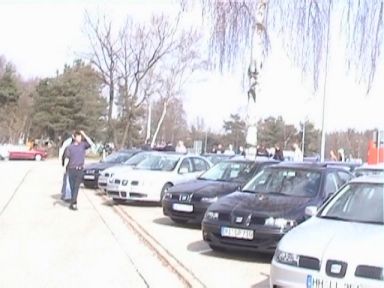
{"x":262,"y":284}
{"x":203,"y":248}
{"x":58,"y":200}
{"x":168,"y":222}
{"x":131,"y":204}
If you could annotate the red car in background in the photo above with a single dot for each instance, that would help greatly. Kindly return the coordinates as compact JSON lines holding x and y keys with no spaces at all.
{"x":33,"y":154}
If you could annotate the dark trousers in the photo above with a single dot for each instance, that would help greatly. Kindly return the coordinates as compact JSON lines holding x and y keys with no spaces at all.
{"x":75,"y":178}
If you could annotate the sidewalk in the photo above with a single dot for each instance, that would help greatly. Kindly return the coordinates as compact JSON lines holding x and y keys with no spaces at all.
{"x":44,"y":244}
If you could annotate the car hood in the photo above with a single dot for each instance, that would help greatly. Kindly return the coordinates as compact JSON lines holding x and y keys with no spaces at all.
{"x":140,"y":175}
{"x":206,"y":188}
{"x":99,"y":165}
{"x":117,"y":169}
{"x":331,"y":239}
{"x":263,"y":205}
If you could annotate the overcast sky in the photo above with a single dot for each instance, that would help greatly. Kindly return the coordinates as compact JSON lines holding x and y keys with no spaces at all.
{"x":39,"y":37}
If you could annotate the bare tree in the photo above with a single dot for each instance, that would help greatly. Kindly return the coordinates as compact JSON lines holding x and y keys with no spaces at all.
{"x":304,"y":26}
{"x":105,"y":48}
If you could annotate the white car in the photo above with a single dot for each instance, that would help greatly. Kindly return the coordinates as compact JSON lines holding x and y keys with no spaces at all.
{"x":340,"y":246}
{"x":367,"y":170}
{"x":106,"y":174}
{"x":152,"y":177}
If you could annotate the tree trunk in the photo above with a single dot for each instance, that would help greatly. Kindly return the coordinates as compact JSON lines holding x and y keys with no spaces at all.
{"x":159,"y":123}
{"x":255,"y":67}
{"x":149,"y":121}
{"x":110,"y":109}
{"x":126,"y":129}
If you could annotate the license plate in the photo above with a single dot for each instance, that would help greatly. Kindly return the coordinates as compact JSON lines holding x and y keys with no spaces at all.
{"x":182,"y":207}
{"x":89,"y":177}
{"x":315,"y":282}
{"x":237,"y":233}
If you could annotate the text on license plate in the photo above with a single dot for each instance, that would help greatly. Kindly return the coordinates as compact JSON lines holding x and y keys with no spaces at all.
{"x":314,"y":282}
{"x":182,"y":207}
{"x":237,"y":233}
{"x":89,"y":177}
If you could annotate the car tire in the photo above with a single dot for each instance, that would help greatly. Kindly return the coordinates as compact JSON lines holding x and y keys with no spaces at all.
{"x":38,"y":157}
{"x":164,"y":190}
{"x":216,"y":248}
{"x":179,"y":221}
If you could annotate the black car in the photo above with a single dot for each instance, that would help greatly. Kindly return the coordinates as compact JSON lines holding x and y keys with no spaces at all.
{"x":350,"y":166}
{"x":272,"y":203}
{"x":92,"y":171}
{"x":188,"y":202}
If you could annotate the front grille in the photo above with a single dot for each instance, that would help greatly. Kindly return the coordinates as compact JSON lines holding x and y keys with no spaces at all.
{"x":117,"y":181}
{"x":123,"y":194}
{"x":370,"y":272}
{"x":309,"y":263}
{"x":224,"y":217}
{"x":113,"y":193}
{"x":138,"y":195}
{"x":135,"y":183}
{"x":106,"y":174}
{"x":257,"y":220}
{"x":102,"y":184}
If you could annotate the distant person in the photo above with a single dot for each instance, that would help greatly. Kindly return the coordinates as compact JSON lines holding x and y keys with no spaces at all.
{"x":74,"y":162}
{"x":241,"y":151}
{"x":229,"y":151}
{"x":298,"y":155}
{"x":279,"y":155}
{"x":169,"y":147}
{"x":341,"y":155}
{"x":180,"y":148}
{"x":65,"y":189}
{"x":219,"y":149}
{"x":333,"y":155}
{"x":147,"y":146}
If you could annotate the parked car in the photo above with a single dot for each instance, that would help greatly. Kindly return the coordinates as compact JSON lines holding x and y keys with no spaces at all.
{"x":367,"y":170}
{"x":151,"y":178}
{"x":340,"y":246}
{"x":273,"y":202}
{"x":26,"y":154}
{"x":350,"y":166}
{"x":189,"y":201}
{"x":92,"y":171}
{"x":108,"y":173}
{"x":217,"y":158}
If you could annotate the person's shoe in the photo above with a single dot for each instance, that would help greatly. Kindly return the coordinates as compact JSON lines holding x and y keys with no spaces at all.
{"x":73,"y":207}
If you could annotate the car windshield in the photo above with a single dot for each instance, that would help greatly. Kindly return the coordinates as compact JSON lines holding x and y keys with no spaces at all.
{"x":229,"y":171}
{"x":368,"y":172}
{"x":161,"y":162}
{"x":357,"y":202}
{"x":117,"y":157}
{"x":136,"y":159}
{"x":285,"y":181}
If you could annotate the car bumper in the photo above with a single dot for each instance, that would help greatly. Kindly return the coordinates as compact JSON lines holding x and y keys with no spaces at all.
{"x":282,"y":275}
{"x":102,"y":182}
{"x":196,"y":216}
{"x":264,"y":241}
{"x":131,"y":194}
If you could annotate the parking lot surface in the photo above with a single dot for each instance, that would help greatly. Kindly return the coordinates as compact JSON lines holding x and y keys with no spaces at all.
{"x":44,"y":244}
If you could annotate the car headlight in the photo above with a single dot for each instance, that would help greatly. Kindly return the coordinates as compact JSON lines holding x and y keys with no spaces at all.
{"x":210,"y":215}
{"x":281,"y":223}
{"x":286,"y":258}
{"x":209,"y":199}
{"x":124,"y":182}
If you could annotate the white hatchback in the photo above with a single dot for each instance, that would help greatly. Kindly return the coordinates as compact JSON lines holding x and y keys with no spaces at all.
{"x":151,"y":178}
{"x":340,"y":246}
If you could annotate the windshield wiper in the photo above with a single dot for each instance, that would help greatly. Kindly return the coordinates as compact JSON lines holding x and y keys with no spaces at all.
{"x":249,"y":191}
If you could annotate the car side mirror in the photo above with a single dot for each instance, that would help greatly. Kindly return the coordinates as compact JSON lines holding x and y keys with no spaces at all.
{"x":311,"y":211}
{"x":183,"y":170}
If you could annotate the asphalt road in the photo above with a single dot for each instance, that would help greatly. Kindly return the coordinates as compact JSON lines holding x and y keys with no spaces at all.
{"x":44,"y":244}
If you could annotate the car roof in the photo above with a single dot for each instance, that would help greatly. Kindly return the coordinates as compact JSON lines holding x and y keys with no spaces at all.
{"x":371,"y":179}
{"x":371,"y":167}
{"x":244,"y":160}
{"x":308,"y":165}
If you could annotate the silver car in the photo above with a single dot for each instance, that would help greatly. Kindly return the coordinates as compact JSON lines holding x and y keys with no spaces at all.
{"x":341,"y":245}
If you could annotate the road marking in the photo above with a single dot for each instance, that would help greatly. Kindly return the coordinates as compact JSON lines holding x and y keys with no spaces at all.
{"x":14,"y":192}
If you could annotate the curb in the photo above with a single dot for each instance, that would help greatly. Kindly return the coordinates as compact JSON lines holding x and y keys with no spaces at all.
{"x":189,"y":279}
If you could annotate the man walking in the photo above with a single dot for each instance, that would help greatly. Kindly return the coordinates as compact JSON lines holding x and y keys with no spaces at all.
{"x":74,"y":163}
